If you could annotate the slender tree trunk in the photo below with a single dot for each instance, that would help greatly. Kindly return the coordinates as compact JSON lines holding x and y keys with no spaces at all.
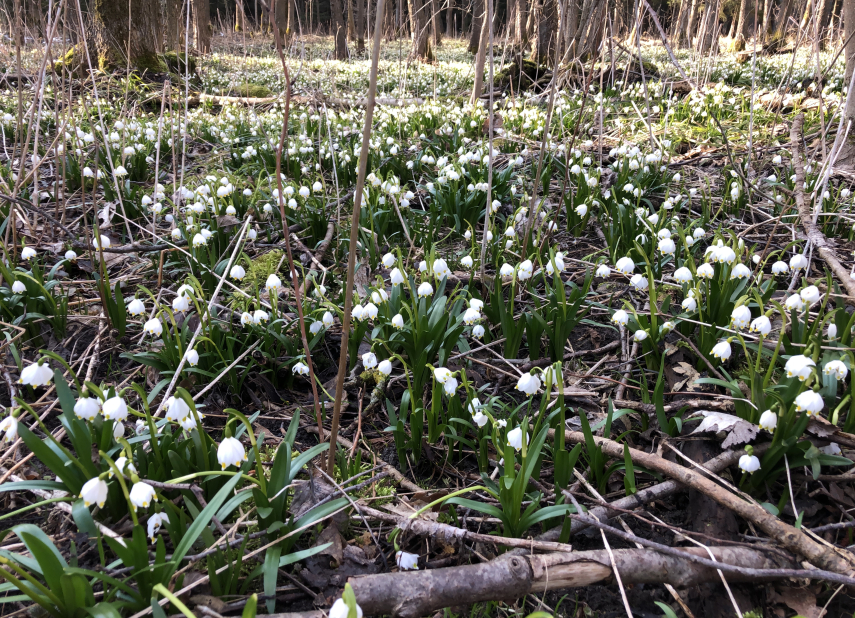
{"x":173,"y":30}
{"x":434,"y":22}
{"x":339,"y":30}
{"x":202,"y":16}
{"x":117,"y":46}
{"x":569,"y":29}
{"x":848,"y":29}
{"x":708,"y":36}
{"x":351,"y":21}
{"x":521,"y":34}
{"x":480,"y":61}
{"x":825,"y":9}
{"x":421,"y":34}
{"x":768,"y":6}
{"x":449,"y":19}
{"x":546,"y":32}
{"x":477,"y":22}
{"x":360,"y":26}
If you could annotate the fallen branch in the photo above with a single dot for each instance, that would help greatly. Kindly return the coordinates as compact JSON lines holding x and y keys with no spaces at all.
{"x":419,"y":593}
{"x":814,"y":235}
{"x":329,"y":101}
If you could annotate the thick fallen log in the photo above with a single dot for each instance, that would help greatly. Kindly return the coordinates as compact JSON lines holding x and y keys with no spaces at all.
{"x":419,"y":593}
{"x":816,"y":237}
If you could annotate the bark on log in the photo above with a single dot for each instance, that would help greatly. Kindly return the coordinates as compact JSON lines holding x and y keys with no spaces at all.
{"x":418,"y":593}
{"x":787,"y":536}
{"x":817,"y":238}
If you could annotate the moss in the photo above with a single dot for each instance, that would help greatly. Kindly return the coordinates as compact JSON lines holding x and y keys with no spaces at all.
{"x":176,"y":62}
{"x":256,"y":276}
{"x":249,"y":90}
{"x":523,"y":74}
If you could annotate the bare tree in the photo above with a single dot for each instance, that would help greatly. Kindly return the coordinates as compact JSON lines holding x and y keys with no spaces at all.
{"x":420,"y":21}
{"x":449,"y":18}
{"x":360,"y":26}
{"x":174,"y":25}
{"x":546,"y":32}
{"x":521,"y":25}
{"x":477,"y":17}
{"x":118,"y":45}
{"x":202,"y":15}
{"x":434,"y":23}
{"x":339,"y":30}
{"x":480,"y":61}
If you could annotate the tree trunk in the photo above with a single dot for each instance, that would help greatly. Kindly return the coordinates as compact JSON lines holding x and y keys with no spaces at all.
{"x":768,"y":5}
{"x":480,"y":61}
{"x":740,"y":28}
{"x":240,"y":17}
{"x":280,"y":16}
{"x":449,"y":19}
{"x":421,"y":33}
{"x":848,"y":28}
{"x":339,"y":30}
{"x":351,"y":22}
{"x":173,"y":40}
{"x":824,"y":10}
{"x":521,"y":34}
{"x":569,"y":29}
{"x":116,"y":45}
{"x":360,"y":26}
{"x":434,"y":23}
{"x":681,"y":35}
{"x":708,"y":35}
{"x":202,"y":14}
{"x":546,"y":32}
{"x":477,"y":17}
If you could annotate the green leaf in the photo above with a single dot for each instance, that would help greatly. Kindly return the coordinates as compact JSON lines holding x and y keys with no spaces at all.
{"x":45,"y":552}
{"x":26,"y":485}
{"x":103,"y":610}
{"x":271,"y":574}
{"x":669,"y":613}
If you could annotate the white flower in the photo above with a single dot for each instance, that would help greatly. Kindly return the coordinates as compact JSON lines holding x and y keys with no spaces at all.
{"x":304,"y":191}
{"x":316,"y":327}
{"x":87,"y":408}
{"x":70,"y":255}
{"x":555,"y":264}
{"x":725,"y":255}
{"x":273,"y":284}
{"x":768,"y":421}
{"x":740,"y":271}
{"x":831,"y":449}
{"x":385,"y":367}
{"x":810,"y":402}
{"x":810,"y":294}
{"x":425,"y":290}
{"x":799,"y":366}
{"x":581,"y":210}
{"x":832,"y":331}
{"x":369,"y":360}
{"x":340,"y":608}
{"x":470,"y":316}
{"x":749,"y":463}
{"x":231,"y":453}
{"x":683,"y":275}
{"x":237,"y":272}
{"x":450,"y":386}
{"x":480,"y":419}
{"x":667,"y":246}
{"x":423,"y":266}
{"x":136,"y":307}
{"x":398,"y":321}
{"x":180,"y":304}
{"x":300,"y":368}
{"x":192,"y":357}
{"x":478,"y":331}
{"x":115,"y":409}
{"x":515,"y":438}
{"x":177,"y":409}
{"x":246,"y":318}
{"x":199,"y":240}
{"x":407,"y":562}
{"x":699,"y":233}
{"x":388,"y":260}
{"x":396,"y":276}
{"x":798,"y":261}
{"x":528,"y":383}
{"x":837,"y":369}
{"x":722,"y":350}
{"x":153,"y":327}
{"x":441,"y":374}
{"x":740,"y":317}
{"x":639,"y":282}
{"x":154,"y":524}
{"x":124,"y":466}
{"x":37,"y":374}
{"x":369,"y":312}
{"x":779,"y":268}
{"x":761,"y":325}
{"x":440,"y":268}
{"x":689,"y":304}
{"x":506,"y":270}
{"x":794,"y":302}
{"x":9,"y":427}
{"x":317,"y":187}
{"x":603,"y":271}
{"x":625,"y":265}
{"x":620,"y":317}
{"x":18,"y":287}
{"x":525,"y":270}
{"x":706,"y":271}
{"x":118,"y":430}
{"x":142,"y":494}
{"x":640,"y":335}
{"x":328,"y":319}
{"x":28,"y":253}
{"x":467,"y":261}
{"x":94,"y":491}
